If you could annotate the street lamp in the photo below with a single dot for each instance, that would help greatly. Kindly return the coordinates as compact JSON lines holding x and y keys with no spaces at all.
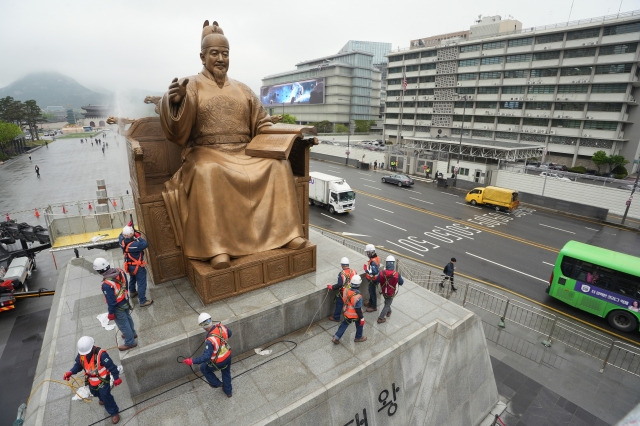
{"x":464,"y":110}
{"x":348,"y":131}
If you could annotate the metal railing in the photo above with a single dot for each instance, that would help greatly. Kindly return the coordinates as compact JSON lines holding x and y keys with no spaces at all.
{"x":470,"y":295}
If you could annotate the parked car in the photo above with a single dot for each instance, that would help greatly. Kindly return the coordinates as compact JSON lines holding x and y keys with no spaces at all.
{"x":560,"y":167}
{"x":396,"y":179}
{"x":555,"y":176}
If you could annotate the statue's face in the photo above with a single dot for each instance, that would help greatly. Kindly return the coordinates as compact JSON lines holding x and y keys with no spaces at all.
{"x":215,"y":58}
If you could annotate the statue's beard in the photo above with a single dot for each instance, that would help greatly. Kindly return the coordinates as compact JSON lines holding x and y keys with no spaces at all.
{"x":219,"y":76}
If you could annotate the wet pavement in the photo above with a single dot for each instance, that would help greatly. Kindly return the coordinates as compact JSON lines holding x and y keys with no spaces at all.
{"x":68,"y":172}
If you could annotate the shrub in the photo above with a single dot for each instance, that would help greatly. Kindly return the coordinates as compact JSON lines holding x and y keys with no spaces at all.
{"x":578,"y":169}
{"x":620,"y":172}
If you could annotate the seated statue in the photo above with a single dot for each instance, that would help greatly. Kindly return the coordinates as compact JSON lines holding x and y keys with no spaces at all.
{"x":223,"y":203}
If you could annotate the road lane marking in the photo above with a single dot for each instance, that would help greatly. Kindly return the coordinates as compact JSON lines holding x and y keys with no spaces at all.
{"x":411,"y":190}
{"x":373,"y":187}
{"x":468,"y":205}
{"x":379,"y":208}
{"x":452,"y":195}
{"x":590,"y":229}
{"x":397,"y":227}
{"x":547,"y":263}
{"x":330,"y":217}
{"x":506,"y":267}
{"x":422,"y":201}
{"x":355,"y":235}
{"x":557,"y":229}
{"x":404,"y":248}
{"x":369,"y":180}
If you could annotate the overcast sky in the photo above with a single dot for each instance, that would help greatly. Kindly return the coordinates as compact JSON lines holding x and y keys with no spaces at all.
{"x":123,"y":44}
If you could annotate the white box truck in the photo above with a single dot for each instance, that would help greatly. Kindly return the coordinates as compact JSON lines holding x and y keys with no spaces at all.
{"x":331,"y":192}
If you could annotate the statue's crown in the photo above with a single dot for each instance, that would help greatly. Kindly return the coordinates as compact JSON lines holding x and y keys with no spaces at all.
{"x":210,"y":29}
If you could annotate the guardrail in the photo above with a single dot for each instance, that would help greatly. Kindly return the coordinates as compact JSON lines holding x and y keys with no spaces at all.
{"x":511,"y":311}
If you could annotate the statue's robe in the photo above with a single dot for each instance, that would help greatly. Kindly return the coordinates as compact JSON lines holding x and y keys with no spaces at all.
{"x":222,"y":201}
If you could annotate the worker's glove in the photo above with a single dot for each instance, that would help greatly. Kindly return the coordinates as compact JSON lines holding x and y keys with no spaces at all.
{"x":365,"y":267}
{"x":117,"y":382}
{"x":67,"y":375}
{"x":188,"y":361}
{"x":361,"y":322}
{"x":329,"y":287}
{"x":112,"y":317}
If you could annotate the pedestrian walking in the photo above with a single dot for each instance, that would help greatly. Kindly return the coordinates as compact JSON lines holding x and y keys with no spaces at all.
{"x":448,"y":272}
{"x":371,"y":273}
{"x":133,"y":246}
{"x":37,"y":170}
{"x":427,"y":171}
{"x":216,"y":355}
{"x":98,"y":369}
{"x":375,"y":165}
{"x":343,"y":284}
{"x":382,"y":165}
{"x":29,"y":157}
{"x":352,"y":302}
{"x":114,"y":288}
{"x":389,"y":280}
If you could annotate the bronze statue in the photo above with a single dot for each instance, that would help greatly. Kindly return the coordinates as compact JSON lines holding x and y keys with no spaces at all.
{"x":223,"y":203}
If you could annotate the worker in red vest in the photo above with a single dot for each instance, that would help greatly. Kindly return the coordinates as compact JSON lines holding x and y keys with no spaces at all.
{"x":133,"y":246}
{"x":216,"y":355}
{"x":98,"y":369}
{"x":352,"y":300}
{"x":344,"y":283}
{"x":371,"y":272}
{"x":389,"y":280}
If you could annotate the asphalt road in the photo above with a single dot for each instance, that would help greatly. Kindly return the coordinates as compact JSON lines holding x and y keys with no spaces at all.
{"x":515,"y":251}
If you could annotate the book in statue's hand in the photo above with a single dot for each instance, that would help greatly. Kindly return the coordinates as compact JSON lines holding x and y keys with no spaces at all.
{"x":276,"y":145}
{"x":282,"y":128}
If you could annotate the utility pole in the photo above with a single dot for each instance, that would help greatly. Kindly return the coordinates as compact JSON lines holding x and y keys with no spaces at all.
{"x":635,"y":185}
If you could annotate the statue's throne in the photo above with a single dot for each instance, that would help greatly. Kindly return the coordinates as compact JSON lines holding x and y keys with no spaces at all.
{"x":152,"y":161}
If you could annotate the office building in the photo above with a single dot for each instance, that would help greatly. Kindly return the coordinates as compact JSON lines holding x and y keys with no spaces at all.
{"x":568,"y":89}
{"x":338,"y":89}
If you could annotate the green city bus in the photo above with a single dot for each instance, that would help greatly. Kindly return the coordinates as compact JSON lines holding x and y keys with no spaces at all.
{"x":599,"y":281}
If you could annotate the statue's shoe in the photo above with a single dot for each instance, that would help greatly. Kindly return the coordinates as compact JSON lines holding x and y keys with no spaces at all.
{"x":220,"y":261}
{"x":296,"y":244}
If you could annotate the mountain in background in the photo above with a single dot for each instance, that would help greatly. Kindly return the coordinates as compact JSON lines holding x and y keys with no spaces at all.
{"x":53,"y":89}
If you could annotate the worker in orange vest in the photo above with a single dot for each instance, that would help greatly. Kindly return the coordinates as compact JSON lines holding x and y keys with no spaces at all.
{"x":344,"y":283}
{"x":352,"y":300}
{"x":98,"y":369}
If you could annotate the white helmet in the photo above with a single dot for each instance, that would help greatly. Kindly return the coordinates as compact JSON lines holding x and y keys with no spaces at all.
{"x":204,"y":320}
{"x":344,"y":261}
{"x":369,"y":248}
{"x":127,"y":231}
{"x":390,"y":263}
{"x":85,"y":344}
{"x":101,"y":265}
{"x":356,"y":280}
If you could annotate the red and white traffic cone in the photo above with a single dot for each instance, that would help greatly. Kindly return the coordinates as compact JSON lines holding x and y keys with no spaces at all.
{"x":90,"y":206}
{"x":64,"y":211}
{"x":114,"y":203}
{"x":37,"y":213}
{"x":8,"y":218}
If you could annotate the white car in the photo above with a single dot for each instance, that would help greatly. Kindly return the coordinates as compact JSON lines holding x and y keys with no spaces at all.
{"x":555,"y":176}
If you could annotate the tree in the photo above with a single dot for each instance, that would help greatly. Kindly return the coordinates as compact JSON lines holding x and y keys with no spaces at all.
{"x":364,"y":126}
{"x":8,"y":132}
{"x":600,"y":158}
{"x":341,"y":128}
{"x":289,"y":119}
{"x":33,"y":114}
{"x":617,"y":160}
{"x":323,"y":126}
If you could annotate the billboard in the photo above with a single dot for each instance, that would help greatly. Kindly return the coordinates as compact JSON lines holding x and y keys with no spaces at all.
{"x":297,"y":92}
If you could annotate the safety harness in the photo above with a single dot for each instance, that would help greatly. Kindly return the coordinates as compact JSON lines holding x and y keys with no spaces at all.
{"x":97,"y":374}
{"x":390,"y":284}
{"x":375,"y":260}
{"x":129,"y":260}
{"x":221,"y":350}
{"x":118,"y":286}
{"x":349,"y":308}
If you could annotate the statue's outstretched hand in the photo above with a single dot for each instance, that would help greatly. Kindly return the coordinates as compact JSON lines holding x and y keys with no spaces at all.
{"x":177,"y":90}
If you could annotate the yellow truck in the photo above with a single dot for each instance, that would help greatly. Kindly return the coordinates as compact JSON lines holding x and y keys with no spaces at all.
{"x":499,"y":198}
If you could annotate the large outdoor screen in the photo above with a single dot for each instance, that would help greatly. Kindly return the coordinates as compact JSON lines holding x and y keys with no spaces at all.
{"x":297,"y":92}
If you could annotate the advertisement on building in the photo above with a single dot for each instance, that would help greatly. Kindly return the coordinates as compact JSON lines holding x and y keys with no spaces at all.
{"x":299,"y":92}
